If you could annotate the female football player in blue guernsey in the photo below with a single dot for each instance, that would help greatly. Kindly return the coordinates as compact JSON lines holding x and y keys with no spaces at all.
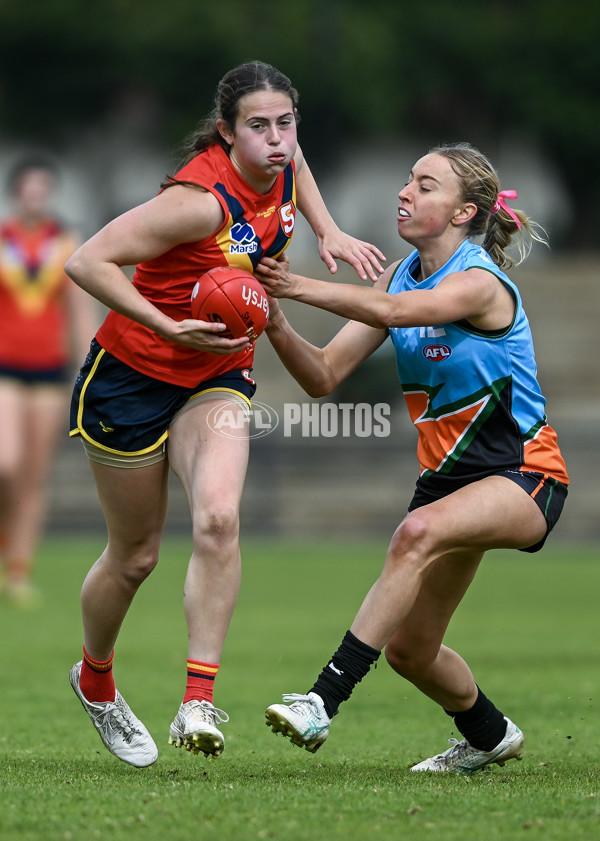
{"x":154,"y":373}
{"x":491,"y":474}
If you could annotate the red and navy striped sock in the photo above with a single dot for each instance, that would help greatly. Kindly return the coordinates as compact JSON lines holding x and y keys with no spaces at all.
{"x":96,"y":681}
{"x":200,"y":681}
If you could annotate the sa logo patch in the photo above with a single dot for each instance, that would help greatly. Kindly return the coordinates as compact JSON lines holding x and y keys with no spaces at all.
{"x":437,"y":353}
{"x":287,"y":217}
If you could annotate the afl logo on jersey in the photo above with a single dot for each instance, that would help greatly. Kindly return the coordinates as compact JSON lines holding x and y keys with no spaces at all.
{"x":437,"y":353}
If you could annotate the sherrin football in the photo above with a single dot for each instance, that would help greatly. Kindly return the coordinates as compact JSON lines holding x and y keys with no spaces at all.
{"x":233,"y":297}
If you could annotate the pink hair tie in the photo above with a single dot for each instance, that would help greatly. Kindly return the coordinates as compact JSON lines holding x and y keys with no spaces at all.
{"x":501,"y":204}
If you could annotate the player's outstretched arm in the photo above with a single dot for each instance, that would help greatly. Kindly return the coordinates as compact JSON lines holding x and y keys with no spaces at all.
{"x":372,"y":305}
{"x":320,"y":370}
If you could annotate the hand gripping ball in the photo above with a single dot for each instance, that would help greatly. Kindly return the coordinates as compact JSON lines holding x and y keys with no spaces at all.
{"x":233,"y":297}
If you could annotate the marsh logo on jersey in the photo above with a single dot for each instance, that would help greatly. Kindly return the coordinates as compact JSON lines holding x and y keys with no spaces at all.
{"x":244,"y":239}
{"x":437,"y":353}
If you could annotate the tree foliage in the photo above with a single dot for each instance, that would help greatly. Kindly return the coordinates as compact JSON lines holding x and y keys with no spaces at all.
{"x":466,"y":69}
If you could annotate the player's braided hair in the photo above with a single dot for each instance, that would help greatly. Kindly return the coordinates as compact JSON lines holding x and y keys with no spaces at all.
{"x":480,"y":185}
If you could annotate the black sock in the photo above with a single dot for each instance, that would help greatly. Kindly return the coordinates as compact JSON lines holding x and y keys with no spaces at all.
{"x":483,"y":726}
{"x":347,"y":667}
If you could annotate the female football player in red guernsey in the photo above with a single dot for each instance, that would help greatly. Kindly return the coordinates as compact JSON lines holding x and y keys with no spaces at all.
{"x":44,"y":321}
{"x":153,"y":376}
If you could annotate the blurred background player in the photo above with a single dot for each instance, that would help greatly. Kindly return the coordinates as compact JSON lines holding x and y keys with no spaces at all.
{"x":45,"y":322}
{"x":144,"y":397}
{"x":491,"y":473}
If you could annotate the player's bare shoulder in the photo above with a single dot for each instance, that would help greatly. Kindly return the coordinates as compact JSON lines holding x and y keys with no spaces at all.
{"x":489,"y":303}
{"x":195,"y":212}
{"x":383,"y":281}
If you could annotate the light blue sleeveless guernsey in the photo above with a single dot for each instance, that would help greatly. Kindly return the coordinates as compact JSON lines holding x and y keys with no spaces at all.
{"x":473,"y":395}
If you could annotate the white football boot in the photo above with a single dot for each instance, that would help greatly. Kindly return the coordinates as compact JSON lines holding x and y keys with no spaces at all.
{"x":304,"y":722}
{"x":462,"y":758}
{"x":123,"y":734}
{"x":194,"y":728}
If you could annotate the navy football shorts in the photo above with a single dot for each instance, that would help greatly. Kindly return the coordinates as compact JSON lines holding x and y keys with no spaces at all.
{"x":549,"y":494}
{"x":124,"y":412}
{"x":37,"y":376}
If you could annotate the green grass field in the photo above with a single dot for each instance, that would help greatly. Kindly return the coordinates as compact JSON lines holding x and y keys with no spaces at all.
{"x":528,"y":627}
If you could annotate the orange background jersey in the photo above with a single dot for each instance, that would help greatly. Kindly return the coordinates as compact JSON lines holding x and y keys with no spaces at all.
{"x":255,"y":225}
{"x":33,"y":284}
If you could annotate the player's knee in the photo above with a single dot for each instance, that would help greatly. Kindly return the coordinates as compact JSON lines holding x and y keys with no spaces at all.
{"x":411,"y":540}
{"x":217,"y":523}
{"x":136,"y":573}
{"x":409,"y":660}
{"x":139,"y":559}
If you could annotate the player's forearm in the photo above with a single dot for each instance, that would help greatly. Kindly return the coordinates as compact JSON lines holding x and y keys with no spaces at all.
{"x":304,"y":361}
{"x":110,"y":285}
{"x":311,"y":203}
{"x":365,"y":304}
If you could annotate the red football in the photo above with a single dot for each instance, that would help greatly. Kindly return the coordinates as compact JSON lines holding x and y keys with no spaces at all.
{"x":233,"y":297}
